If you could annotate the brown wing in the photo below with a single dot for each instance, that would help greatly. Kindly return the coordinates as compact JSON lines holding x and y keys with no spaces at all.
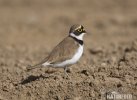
{"x":63,"y":51}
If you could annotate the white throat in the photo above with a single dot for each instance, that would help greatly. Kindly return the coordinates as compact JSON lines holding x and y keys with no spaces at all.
{"x":80,"y":37}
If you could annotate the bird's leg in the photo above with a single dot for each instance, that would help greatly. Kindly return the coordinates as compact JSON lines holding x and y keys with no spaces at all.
{"x":65,"y":71}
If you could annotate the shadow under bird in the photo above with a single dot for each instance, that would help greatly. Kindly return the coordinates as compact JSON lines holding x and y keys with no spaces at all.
{"x":67,"y":52}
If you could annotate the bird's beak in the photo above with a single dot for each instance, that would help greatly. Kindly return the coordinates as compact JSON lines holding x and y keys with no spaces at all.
{"x":85,"y":32}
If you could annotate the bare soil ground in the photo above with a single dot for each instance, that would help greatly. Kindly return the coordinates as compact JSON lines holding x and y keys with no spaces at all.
{"x":29,"y":30}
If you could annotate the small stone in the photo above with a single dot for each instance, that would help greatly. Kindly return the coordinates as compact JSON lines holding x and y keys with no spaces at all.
{"x":103,"y":64}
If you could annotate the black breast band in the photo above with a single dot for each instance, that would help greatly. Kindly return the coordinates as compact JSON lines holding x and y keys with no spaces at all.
{"x":77,"y":40}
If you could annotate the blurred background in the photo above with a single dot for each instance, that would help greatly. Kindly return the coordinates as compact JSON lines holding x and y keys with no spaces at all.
{"x":29,"y":29}
{"x":32,"y":21}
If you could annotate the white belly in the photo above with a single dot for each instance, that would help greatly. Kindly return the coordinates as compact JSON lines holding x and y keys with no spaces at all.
{"x":74,"y":59}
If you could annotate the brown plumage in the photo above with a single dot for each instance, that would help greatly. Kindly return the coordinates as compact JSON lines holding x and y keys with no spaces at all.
{"x":74,"y":27}
{"x":63,"y":51}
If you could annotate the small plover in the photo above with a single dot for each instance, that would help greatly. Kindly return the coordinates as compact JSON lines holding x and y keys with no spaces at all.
{"x":67,"y":52}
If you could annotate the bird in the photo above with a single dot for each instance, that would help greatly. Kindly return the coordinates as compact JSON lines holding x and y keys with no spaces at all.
{"x":67,"y":52}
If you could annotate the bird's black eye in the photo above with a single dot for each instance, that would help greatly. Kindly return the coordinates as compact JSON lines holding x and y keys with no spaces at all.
{"x":80,"y":30}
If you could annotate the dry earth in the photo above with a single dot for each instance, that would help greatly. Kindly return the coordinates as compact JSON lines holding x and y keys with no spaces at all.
{"x":29,"y":29}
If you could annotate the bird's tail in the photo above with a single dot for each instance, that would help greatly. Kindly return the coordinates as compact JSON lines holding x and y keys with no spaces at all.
{"x":42,"y":63}
{"x":33,"y":67}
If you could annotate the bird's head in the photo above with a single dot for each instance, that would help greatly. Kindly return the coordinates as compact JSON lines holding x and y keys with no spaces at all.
{"x":77,"y":31}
